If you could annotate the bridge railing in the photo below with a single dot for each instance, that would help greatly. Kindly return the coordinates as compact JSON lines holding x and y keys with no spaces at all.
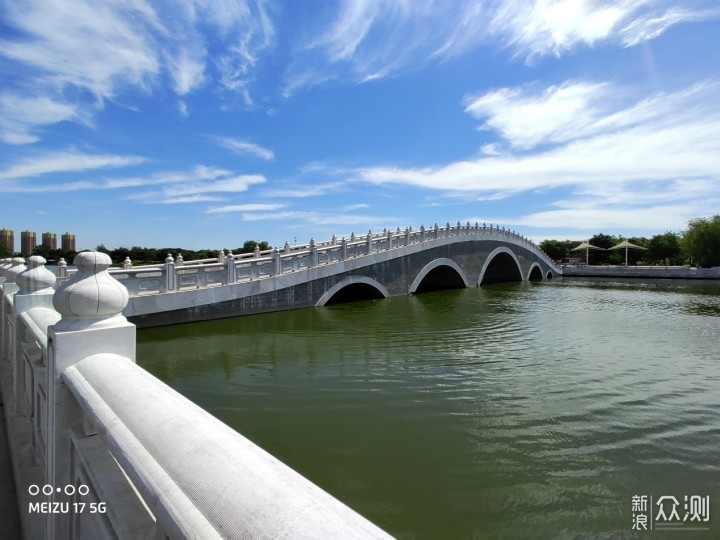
{"x":115,"y":450}
{"x":176,"y":274}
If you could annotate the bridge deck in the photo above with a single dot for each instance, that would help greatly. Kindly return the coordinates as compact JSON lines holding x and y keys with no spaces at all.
{"x":9,"y":516}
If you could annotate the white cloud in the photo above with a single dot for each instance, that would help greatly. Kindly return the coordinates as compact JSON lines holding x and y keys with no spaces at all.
{"x":63,"y":162}
{"x":552,"y":115}
{"x":243,"y":147}
{"x":244,"y":208}
{"x":22,"y":114}
{"x":104,"y":48}
{"x":300,"y":191}
{"x":371,"y":39}
{"x":190,"y":199}
{"x":649,"y":164}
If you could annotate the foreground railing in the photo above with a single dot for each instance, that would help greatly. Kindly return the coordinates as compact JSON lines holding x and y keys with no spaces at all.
{"x":102,"y":449}
{"x":176,"y":274}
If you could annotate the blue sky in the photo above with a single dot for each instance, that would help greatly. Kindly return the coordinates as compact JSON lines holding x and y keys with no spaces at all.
{"x":205,"y":123}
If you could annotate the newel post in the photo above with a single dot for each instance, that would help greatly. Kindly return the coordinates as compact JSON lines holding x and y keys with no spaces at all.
{"x":313,"y":253}
{"x":277,"y":263}
{"x":169,"y":273}
{"x":343,"y":249}
{"x":90,"y":304}
{"x":35,"y":289}
{"x":369,"y":240}
{"x":229,"y":268}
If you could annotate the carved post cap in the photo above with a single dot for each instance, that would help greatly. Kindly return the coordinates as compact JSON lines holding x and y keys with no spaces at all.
{"x":36,"y":277}
{"x":17,"y":265}
{"x":92,"y":294}
{"x":169,"y":258}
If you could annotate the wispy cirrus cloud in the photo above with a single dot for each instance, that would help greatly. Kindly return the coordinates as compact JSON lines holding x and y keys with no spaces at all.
{"x":65,"y":162}
{"x":370,"y":39}
{"x":243,"y":147}
{"x":22,"y":115}
{"x":244,"y":208}
{"x":631,"y":154}
{"x":102,"y":49}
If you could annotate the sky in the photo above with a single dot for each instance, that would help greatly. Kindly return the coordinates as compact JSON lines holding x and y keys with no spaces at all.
{"x":206,"y":123}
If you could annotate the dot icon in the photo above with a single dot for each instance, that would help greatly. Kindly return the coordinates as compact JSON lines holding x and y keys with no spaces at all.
{"x":58,"y":490}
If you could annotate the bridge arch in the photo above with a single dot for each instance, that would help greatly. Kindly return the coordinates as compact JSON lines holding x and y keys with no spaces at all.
{"x":501,"y":265}
{"x":439,"y":274}
{"x":535,"y":272}
{"x":352,"y":289}
{"x":549,"y":274}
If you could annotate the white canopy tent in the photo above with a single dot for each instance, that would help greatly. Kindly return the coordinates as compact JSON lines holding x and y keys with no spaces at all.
{"x":587,"y":247}
{"x":626,"y":245}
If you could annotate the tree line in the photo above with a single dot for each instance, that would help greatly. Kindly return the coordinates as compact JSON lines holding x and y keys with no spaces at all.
{"x":144,"y":255}
{"x":699,"y":245}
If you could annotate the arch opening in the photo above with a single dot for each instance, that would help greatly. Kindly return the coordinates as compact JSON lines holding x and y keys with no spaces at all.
{"x":549,"y":275}
{"x":355,"y":292}
{"x":440,"y":278}
{"x":353,"y":289}
{"x":535,"y":273}
{"x":501,"y":267}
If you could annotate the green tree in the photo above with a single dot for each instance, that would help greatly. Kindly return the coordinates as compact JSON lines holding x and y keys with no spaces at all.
{"x":664,"y":249}
{"x":605,"y":241}
{"x":5,"y":251}
{"x":557,"y":249}
{"x":701,"y":241}
{"x":249,"y":246}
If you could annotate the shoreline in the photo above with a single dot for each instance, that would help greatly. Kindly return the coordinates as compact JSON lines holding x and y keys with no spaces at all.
{"x":654,"y":272}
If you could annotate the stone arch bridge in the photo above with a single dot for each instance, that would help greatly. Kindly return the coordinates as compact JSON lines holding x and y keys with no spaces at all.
{"x":375,"y":266}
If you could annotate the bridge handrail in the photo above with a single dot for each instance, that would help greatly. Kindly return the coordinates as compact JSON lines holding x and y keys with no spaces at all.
{"x":293,"y":258}
{"x":200,"y":478}
{"x":80,"y":411}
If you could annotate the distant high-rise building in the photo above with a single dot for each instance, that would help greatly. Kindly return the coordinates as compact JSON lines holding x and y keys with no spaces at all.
{"x":68,"y":242}
{"x":49,"y":240}
{"x":28,"y":241}
{"x":8,"y":238}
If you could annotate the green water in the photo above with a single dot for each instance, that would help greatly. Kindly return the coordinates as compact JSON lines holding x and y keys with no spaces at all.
{"x":510,"y":411}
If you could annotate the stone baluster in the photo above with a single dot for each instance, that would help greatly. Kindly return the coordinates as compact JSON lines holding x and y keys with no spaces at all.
{"x":277,"y":263}
{"x":458,"y":228}
{"x":313,"y":253}
{"x":62,"y":269}
{"x":35,"y":289}
{"x":179,"y":261}
{"x":286,"y":247}
{"x":447,"y":229}
{"x":169,"y":272}
{"x":388,"y":235}
{"x":422,"y":233}
{"x":221,"y":256}
{"x":3,"y":264}
{"x":369,"y":240}
{"x":343,"y":249}
{"x":127,"y":263}
{"x":256,"y":251}
{"x":333,"y":240}
{"x":17,"y":266}
{"x":352,"y":237}
{"x":407,"y":236}
{"x":437,"y":231}
{"x":229,"y":265}
{"x":90,"y":304}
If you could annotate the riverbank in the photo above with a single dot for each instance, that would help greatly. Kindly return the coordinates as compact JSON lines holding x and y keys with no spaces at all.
{"x":656,"y":272}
